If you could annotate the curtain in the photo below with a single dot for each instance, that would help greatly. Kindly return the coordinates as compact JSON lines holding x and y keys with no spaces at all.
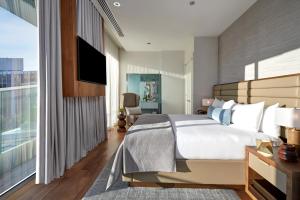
{"x":51,"y":137}
{"x":112,"y":87}
{"x":68,"y":127}
{"x":85,"y":117}
{"x":89,"y":24}
{"x":85,"y":125}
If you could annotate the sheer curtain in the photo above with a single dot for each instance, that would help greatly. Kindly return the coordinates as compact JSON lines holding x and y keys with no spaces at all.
{"x":85,"y":117}
{"x":112,"y":90}
{"x":89,"y":24}
{"x":71,"y":126}
{"x":51,"y":139}
{"x":112,"y":87}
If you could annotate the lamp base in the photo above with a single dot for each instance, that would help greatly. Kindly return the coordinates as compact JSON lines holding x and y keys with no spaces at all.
{"x":293,"y":137}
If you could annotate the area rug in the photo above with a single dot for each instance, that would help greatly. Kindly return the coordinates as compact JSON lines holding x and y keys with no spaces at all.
{"x":121,"y":191}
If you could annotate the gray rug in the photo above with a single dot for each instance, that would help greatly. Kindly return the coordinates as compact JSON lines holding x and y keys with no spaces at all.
{"x":121,"y":191}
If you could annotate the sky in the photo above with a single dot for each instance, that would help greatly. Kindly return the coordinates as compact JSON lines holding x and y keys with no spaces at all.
{"x":18,"y":39}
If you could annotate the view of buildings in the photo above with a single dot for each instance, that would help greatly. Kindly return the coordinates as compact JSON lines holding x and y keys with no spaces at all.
{"x":12,"y":73}
{"x":18,"y":91}
{"x":18,"y":115}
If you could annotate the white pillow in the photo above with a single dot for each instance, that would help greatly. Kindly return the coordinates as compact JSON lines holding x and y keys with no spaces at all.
{"x":247,"y":116}
{"x":133,"y":110}
{"x":268,"y":125}
{"x":228,"y":104}
{"x":217,"y":103}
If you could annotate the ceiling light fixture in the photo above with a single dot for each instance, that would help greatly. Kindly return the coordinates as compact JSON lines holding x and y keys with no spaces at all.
{"x":117,"y":4}
{"x":192,"y":3}
{"x":148,"y":43}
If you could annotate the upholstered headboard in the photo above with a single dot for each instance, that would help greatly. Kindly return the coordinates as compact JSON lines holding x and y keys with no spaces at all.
{"x":237,"y":91}
{"x":284,"y":90}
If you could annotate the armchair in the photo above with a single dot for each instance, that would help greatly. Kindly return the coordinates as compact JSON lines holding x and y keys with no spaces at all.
{"x":131,"y":103}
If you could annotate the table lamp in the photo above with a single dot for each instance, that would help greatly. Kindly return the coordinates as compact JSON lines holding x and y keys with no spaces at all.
{"x":289,"y":118}
{"x":207,"y":102}
{"x":204,"y":105}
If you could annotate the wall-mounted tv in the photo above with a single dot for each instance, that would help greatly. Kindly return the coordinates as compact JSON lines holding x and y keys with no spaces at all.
{"x":91,"y":63}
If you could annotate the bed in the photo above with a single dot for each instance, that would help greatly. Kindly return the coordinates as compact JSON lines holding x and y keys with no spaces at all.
{"x":220,"y":155}
{"x":206,"y":153}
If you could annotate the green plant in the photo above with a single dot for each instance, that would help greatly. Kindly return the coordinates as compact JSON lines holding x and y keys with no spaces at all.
{"x":121,"y":110}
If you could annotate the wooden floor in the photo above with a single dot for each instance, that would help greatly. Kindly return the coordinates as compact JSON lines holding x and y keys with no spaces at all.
{"x":77,"y":180}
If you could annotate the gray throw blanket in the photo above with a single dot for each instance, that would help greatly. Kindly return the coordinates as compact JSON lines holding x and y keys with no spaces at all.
{"x":148,"y":146}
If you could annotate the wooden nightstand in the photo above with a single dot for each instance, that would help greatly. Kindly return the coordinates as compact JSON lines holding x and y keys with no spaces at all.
{"x":202,"y":110}
{"x":271,"y":178}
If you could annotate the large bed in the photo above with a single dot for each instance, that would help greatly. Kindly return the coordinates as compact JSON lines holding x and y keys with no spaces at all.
{"x":209,"y":153}
{"x":206,"y":153}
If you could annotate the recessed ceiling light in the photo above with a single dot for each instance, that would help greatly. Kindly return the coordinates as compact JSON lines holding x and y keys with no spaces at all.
{"x":192,"y":3}
{"x":117,"y":4}
{"x":149,"y":43}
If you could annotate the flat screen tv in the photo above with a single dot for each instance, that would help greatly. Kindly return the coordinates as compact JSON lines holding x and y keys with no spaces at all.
{"x":91,"y":63}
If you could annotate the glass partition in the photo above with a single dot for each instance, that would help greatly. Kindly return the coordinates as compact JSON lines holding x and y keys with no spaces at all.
{"x":18,"y":91}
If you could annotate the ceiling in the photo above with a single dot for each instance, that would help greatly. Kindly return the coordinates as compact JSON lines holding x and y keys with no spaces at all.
{"x":172,"y":24}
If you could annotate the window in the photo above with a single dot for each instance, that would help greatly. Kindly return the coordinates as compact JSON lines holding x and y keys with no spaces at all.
{"x":18,"y":91}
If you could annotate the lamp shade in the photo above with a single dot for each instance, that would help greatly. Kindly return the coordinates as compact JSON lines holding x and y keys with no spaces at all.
{"x":207,"y":102}
{"x":288,"y":117}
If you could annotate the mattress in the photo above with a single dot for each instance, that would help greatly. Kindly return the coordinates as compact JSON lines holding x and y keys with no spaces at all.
{"x":198,"y":137}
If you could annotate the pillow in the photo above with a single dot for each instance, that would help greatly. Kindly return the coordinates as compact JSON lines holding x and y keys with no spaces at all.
{"x":222,"y":116}
{"x":133,"y":110}
{"x":210,"y":110}
{"x":228,"y":104}
{"x":217,"y":103}
{"x":247,"y":116}
{"x":268,"y":125}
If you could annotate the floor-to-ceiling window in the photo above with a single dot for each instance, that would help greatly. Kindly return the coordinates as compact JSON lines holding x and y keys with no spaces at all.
{"x":112,"y":87}
{"x":18,"y":90}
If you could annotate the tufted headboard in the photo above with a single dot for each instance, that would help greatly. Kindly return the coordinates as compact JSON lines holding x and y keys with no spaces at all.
{"x":283,"y":89}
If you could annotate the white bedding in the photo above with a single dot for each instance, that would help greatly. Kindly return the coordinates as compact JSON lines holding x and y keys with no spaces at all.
{"x":198,"y":137}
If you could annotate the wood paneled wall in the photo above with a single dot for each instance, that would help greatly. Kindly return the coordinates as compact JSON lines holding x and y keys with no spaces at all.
{"x":71,"y":86}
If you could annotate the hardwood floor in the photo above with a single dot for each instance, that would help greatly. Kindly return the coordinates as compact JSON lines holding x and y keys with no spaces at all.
{"x":77,"y":180}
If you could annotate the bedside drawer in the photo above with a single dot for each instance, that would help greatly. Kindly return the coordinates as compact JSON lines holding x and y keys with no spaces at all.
{"x":270,"y":173}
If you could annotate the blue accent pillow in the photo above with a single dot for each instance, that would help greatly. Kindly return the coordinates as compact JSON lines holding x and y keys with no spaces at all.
{"x":210,"y":110}
{"x":222,"y":116}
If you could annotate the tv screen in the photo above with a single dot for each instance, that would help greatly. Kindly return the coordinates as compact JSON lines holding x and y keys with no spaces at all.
{"x":91,"y":63}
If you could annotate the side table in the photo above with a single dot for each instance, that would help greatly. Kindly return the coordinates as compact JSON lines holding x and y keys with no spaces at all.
{"x":121,"y":123}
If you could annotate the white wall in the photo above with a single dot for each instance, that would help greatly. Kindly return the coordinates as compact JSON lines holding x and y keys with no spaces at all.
{"x":170,"y":64}
{"x":205,"y":73}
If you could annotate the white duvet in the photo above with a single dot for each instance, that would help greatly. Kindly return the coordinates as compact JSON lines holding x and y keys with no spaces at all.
{"x":198,"y":137}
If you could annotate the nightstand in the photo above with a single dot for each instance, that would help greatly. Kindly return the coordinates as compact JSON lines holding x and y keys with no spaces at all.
{"x":202,"y":110}
{"x":271,"y":178}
